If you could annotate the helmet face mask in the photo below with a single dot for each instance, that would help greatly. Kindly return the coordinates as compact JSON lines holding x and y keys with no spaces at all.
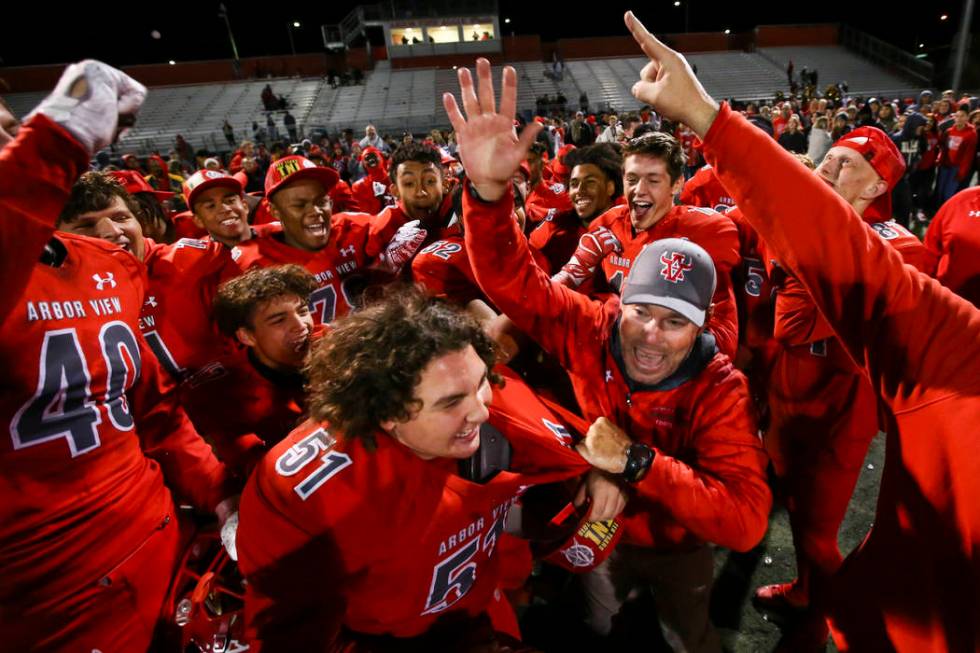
{"x":207,"y":598}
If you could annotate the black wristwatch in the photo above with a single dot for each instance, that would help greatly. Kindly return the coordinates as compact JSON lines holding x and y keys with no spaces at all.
{"x":639,"y":457}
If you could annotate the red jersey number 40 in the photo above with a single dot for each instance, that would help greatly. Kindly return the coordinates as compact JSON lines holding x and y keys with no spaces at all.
{"x":63,"y":405}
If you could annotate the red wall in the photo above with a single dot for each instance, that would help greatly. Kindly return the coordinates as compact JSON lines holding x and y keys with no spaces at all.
{"x":770,"y":36}
{"x":603,"y":46}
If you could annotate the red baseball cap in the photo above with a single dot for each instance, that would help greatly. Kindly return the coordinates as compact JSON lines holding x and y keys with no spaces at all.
{"x":134,"y":183}
{"x":204,"y":179}
{"x":878,"y":150}
{"x":288,"y":169}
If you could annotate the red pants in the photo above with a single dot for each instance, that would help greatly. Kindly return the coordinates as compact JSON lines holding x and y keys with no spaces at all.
{"x":823,"y":418}
{"x":116,"y":612}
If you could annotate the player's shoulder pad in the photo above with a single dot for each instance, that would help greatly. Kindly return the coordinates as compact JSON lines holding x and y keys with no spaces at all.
{"x":87,"y":246}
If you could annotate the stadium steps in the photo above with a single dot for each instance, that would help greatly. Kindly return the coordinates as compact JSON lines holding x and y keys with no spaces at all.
{"x":835,"y":63}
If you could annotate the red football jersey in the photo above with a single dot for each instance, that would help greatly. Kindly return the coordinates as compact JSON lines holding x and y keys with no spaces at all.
{"x":953,"y":245}
{"x":246,"y":410}
{"x":711,"y":230}
{"x":176,"y":317}
{"x":94,"y":430}
{"x":329,"y":528}
{"x":444,"y":269}
{"x":704,"y":189}
{"x":340,"y":268}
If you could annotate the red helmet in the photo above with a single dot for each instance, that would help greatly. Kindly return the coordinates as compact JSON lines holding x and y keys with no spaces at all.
{"x":207,"y":598}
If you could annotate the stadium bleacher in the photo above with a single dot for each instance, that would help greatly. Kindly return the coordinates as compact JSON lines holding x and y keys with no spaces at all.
{"x":411,"y":100}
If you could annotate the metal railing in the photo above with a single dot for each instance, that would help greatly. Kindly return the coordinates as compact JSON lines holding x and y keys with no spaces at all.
{"x":886,"y":54}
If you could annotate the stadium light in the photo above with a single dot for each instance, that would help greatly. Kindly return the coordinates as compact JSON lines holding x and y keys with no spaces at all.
{"x":295,"y":23}
{"x":677,"y":3}
{"x":172,"y":62}
{"x":728,"y":31}
{"x":922,"y":45}
{"x":507,"y":21}
{"x":943,"y":17}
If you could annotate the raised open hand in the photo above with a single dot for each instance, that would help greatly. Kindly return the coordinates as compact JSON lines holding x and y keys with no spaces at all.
{"x":669,"y":85}
{"x":488,"y":144}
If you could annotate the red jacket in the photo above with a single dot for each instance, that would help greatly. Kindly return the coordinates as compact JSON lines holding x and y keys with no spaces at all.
{"x":912,"y":584}
{"x":953,"y":245}
{"x":707,"y":482}
{"x":709,"y":229}
{"x":754,"y":288}
{"x":329,"y":528}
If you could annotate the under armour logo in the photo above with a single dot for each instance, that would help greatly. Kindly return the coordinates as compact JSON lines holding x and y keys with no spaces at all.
{"x":608,"y":376}
{"x":100,"y":282}
{"x":974,"y":214}
{"x":151,"y":301}
{"x":675,"y":265}
{"x":347,"y":251}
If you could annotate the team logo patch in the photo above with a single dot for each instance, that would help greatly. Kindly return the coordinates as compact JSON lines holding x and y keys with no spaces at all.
{"x":579,"y":555}
{"x":100,"y":282}
{"x":675,"y":265}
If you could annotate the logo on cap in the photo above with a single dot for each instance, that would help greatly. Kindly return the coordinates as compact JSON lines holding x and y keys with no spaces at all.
{"x":675,"y":265}
{"x":286,"y":167}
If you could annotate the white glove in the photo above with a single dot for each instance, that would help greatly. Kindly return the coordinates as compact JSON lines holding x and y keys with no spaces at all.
{"x":91,"y":101}
{"x":228,"y":533}
{"x":402,"y":246}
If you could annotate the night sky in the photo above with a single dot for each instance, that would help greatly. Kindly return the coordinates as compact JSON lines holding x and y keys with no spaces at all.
{"x":193,"y":31}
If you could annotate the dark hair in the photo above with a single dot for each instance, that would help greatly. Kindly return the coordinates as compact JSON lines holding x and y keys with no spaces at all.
{"x":538,"y":148}
{"x":604,"y":156}
{"x":150,"y":213}
{"x":659,"y":146}
{"x":364,"y":372}
{"x":95,"y":191}
{"x":414,"y":151}
{"x":630,"y":119}
{"x":642,"y":129}
{"x":238,"y":299}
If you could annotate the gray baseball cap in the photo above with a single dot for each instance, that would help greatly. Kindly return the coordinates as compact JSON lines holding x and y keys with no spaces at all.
{"x":673,"y":273}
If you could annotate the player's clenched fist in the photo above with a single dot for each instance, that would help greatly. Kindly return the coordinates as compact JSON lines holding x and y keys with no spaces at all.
{"x":592,"y":248}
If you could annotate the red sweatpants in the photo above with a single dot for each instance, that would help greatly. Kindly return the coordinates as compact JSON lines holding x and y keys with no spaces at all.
{"x":116,"y":612}
{"x":823,"y":416}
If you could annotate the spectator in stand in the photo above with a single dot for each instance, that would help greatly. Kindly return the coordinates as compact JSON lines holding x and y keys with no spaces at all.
{"x":792,"y":138}
{"x":229,"y":133}
{"x":758,"y":118}
{"x":887,"y":118}
{"x":580,"y":133}
{"x":780,"y":121}
{"x":271,"y":131}
{"x":371,"y":139}
{"x":355,"y":169}
{"x":290,"y":123}
{"x":957,"y":148}
{"x":373,"y":190}
{"x":613,"y":132}
{"x":819,"y":141}
{"x":250,"y":175}
{"x":841,"y":125}
{"x":268,"y":98}
{"x":247,"y":149}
